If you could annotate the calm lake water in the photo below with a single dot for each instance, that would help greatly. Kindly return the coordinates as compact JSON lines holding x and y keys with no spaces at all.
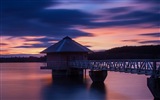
{"x":25,"y":81}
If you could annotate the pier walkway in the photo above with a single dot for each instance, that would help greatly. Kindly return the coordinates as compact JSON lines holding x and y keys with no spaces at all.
{"x":133,"y":66}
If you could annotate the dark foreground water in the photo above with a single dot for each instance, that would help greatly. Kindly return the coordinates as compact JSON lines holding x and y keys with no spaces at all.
{"x":25,"y":81}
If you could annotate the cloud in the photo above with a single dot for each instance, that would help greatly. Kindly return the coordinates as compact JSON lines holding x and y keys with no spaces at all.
{"x":41,"y":45}
{"x":45,"y":39}
{"x":36,"y":43}
{"x":31,"y":30}
{"x":21,"y":55}
{"x":88,"y":46}
{"x":155,"y":9}
{"x":45,"y":20}
{"x":151,"y":34}
{"x":24,"y":8}
{"x":66,"y":18}
{"x":56,"y":22}
{"x":31,"y":18}
{"x":132,"y":40}
{"x":139,"y":15}
{"x":132,"y":18}
{"x":150,"y":42}
{"x":17,"y":15}
{"x":148,"y":1}
{"x":89,"y":1}
{"x":42,"y":42}
{"x":136,"y":23}
{"x":117,"y":9}
{"x":3,"y":44}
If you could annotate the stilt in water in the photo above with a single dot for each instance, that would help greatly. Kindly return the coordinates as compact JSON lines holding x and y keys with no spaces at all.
{"x":153,"y":83}
{"x":154,"y":86}
{"x":98,"y":76}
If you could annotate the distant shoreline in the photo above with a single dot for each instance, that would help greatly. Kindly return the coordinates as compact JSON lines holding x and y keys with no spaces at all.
{"x":125,"y":52}
{"x":23,"y":62}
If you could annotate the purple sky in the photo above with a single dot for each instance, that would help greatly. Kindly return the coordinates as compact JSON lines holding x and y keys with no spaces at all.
{"x":29,"y":26}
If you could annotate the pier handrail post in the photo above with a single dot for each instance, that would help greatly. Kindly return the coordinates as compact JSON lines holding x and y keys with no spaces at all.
{"x":154,"y":69}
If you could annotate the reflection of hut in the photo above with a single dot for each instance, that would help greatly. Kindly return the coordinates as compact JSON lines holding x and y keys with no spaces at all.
{"x":59,"y":55}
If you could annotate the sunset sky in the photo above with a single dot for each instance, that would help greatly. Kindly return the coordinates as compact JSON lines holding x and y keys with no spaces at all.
{"x":29,"y":26}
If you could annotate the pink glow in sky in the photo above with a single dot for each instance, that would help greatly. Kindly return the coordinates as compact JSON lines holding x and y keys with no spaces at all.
{"x":28,"y":27}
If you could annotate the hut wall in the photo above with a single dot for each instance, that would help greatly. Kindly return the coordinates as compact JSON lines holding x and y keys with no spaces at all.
{"x":75,"y":56}
{"x":56,"y":61}
{"x":60,"y":60}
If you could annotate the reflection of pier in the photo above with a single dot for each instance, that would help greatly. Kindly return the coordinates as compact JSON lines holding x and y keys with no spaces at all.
{"x":69,"y":58}
{"x":65,"y":89}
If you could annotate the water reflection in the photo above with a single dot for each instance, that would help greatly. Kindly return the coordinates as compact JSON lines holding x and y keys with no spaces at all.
{"x":98,"y":91}
{"x":25,"y":81}
{"x":65,"y":89}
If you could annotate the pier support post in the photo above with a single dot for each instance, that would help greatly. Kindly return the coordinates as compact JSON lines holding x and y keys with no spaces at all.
{"x":153,"y":82}
{"x":154,"y":86}
{"x":98,"y":76}
{"x":73,"y":73}
{"x":59,"y":73}
{"x":76,"y":73}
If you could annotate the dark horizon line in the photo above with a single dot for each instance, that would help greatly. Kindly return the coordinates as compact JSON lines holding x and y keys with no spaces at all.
{"x":42,"y":55}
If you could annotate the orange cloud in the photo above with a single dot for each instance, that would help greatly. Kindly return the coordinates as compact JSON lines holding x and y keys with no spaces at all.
{"x":18,"y":41}
{"x":106,"y":38}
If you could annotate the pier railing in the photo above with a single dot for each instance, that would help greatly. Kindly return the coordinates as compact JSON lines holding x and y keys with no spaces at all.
{"x":137,"y":66}
{"x":56,"y":65}
{"x":134,"y":66}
